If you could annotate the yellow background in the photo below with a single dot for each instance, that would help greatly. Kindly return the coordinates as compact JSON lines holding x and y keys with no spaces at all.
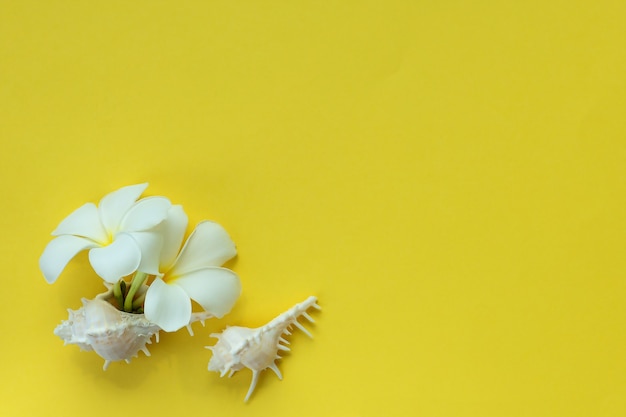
{"x":447,"y":177}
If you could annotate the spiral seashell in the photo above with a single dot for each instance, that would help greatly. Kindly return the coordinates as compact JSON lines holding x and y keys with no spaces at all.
{"x":257,"y":349}
{"x":113,"y":334}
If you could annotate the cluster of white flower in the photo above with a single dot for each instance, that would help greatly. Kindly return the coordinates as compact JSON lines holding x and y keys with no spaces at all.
{"x":126,"y":235}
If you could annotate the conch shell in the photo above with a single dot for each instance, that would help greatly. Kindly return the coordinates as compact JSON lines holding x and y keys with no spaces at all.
{"x":257,"y":349}
{"x":113,"y":334}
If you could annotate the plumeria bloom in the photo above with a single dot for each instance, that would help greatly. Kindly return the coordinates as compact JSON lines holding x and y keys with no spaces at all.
{"x":193,"y":274}
{"x":120,"y":234}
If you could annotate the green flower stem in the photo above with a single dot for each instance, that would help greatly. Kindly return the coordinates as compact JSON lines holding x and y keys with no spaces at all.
{"x":118,"y":293}
{"x":138,"y":302}
{"x":135,"y":284}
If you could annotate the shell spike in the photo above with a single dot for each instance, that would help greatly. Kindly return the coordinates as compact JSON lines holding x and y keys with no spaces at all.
{"x":255,"y":379}
{"x":106,"y":365}
{"x":309,"y":318}
{"x":189,"y":329}
{"x":301,"y":327}
{"x":274,"y":368}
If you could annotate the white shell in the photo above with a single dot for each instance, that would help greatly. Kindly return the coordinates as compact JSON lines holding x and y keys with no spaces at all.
{"x":114,"y":335}
{"x":257,"y":349}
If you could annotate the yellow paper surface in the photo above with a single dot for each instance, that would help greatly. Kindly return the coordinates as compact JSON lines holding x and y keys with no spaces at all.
{"x":447,"y":177}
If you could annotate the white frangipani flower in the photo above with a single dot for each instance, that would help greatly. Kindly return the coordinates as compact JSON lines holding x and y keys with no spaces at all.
{"x":120,"y":234}
{"x":195,"y":274}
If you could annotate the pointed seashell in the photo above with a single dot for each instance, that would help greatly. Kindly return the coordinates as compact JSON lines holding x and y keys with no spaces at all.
{"x":113,"y":334}
{"x":257,"y":349}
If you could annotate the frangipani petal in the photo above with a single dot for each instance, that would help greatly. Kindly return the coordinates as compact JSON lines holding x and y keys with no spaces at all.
{"x":215,"y":289}
{"x":116,"y":260}
{"x":114,"y":205}
{"x":167,"y":306}
{"x":149,"y":244}
{"x":208,"y":245}
{"x":173,"y":229}
{"x":83,"y":221}
{"x":59,"y":252}
{"x":145,"y":214}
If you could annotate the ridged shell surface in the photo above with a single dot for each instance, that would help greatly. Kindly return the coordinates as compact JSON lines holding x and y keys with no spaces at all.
{"x":257,"y":349}
{"x":114,"y":335}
